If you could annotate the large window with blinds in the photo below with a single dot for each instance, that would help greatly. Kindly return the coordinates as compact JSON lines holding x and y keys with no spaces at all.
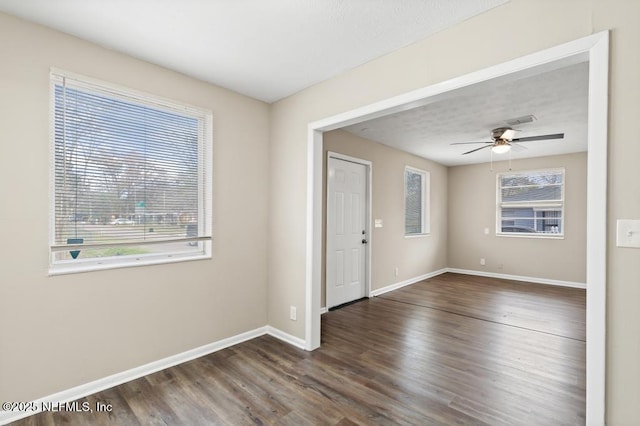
{"x":416,"y":202}
{"x":131,"y":177}
{"x":531,"y":203}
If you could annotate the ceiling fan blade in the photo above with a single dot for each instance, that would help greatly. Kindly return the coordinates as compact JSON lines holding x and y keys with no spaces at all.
{"x":539,"y":138}
{"x":467,"y":143}
{"x":477,"y":149}
{"x":508,"y":134}
{"x":518,"y":147}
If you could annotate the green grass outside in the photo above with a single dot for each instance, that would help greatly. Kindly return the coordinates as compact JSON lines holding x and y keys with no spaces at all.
{"x":113,"y":251}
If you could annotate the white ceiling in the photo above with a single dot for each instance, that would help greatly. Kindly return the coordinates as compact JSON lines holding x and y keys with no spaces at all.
{"x":557,"y":98}
{"x":271,"y":49}
{"x":264,"y":49}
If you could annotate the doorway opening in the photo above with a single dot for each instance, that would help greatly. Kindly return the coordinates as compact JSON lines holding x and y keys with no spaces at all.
{"x":592,"y":49}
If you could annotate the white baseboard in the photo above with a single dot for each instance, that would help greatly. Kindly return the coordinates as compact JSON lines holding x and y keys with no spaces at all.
{"x":518,"y":278}
{"x":143,"y":370}
{"x":536,"y":280}
{"x":286,"y":337}
{"x":404,"y":283}
{"x":323,"y":310}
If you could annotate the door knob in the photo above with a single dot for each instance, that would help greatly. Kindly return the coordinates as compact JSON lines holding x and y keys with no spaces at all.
{"x":364,"y":241}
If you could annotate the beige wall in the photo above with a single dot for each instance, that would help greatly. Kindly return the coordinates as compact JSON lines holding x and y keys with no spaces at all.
{"x":463,"y":203}
{"x":472,"y":207}
{"x":63,"y":331}
{"x":475,"y":44}
{"x":414,"y":256}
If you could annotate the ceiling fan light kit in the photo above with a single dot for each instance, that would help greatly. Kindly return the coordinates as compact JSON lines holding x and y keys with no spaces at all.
{"x":501,"y":147}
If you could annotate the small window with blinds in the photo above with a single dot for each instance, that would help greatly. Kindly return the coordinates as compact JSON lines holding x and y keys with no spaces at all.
{"x":416,"y":202}
{"x":131,"y":177}
{"x":531,"y":203}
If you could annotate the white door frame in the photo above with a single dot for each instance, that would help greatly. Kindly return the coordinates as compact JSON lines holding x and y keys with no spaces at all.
{"x":367,"y":218}
{"x":595,"y":49}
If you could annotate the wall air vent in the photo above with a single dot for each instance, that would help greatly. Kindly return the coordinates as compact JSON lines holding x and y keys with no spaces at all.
{"x":521,"y":120}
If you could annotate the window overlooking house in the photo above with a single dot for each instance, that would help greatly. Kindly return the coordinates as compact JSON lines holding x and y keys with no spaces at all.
{"x":531,"y":203}
{"x":131,"y":178}
{"x":416,"y":202}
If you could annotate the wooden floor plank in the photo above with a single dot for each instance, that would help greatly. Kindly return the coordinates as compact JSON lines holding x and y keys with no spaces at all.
{"x":453,"y":349}
{"x":544,"y":308}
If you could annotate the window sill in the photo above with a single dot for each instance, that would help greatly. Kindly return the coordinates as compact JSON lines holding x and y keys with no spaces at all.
{"x":417,"y":235}
{"x":94,"y":265}
{"x":535,"y":236}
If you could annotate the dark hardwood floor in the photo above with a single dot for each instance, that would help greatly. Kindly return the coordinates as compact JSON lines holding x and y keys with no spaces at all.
{"x":454,"y":349}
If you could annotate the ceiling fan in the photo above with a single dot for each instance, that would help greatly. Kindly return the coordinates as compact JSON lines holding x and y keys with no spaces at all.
{"x":503,"y":140}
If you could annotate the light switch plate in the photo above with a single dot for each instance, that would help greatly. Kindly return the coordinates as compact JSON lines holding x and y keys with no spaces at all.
{"x":628,"y":233}
{"x":377,"y":223}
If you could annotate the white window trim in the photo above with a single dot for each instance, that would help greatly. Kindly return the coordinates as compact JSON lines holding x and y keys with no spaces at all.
{"x":543,"y":204}
{"x":426,"y":202}
{"x":205,"y":197}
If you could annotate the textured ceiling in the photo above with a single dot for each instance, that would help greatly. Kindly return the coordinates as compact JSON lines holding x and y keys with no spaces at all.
{"x":264,"y":49}
{"x":558,"y":99}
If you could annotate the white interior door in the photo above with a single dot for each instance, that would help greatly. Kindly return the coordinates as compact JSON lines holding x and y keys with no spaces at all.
{"x":346,"y":231}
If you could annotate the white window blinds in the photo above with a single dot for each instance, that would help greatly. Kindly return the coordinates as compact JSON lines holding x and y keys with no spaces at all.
{"x":131,"y":178}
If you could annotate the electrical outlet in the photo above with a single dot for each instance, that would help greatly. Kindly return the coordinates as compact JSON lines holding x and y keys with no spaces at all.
{"x":396,"y":271}
{"x":486,"y":231}
{"x":292,"y":313}
{"x":482,"y":261}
